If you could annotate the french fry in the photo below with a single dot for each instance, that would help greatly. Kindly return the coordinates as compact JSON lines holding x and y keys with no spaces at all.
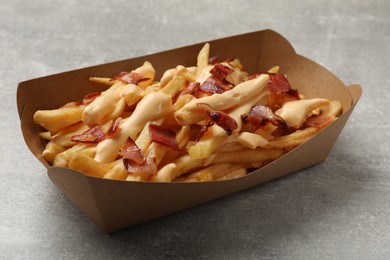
{"x":51,"y":151}
{"x":176,"y":168}
{"x":167,"y":76}
{"x":132,"y":93}
{"x":274,"y":70}
{"x":106,"y":81}
{"x":143,"y":141}
{"x":81,"y":161}
{"x":252,"y":140}
{"x":63,"y":138}
{"x":333,"y":109}
{"x":147,"y":71}
{"x":157,"y":151}
{"x":46,"y":135}
{"x":176,"y":84}
{"x":249,"y":155}
{"x":182,"y":100}
{"x":203,"y":59}
{"x":117,"y":171}
{"x":57,"y":119}
{"x":292,"y":140}
{"x":233,"y":174}
{"x":62,"y":159}
{"x":215,"y":171}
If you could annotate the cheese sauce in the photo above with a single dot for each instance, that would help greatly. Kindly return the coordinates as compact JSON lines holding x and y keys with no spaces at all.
{"x":151,"y":107}
{"x":296,"y":112}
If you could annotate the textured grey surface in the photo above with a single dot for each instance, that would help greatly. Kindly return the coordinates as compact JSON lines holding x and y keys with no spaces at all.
{"x":337,"y":210}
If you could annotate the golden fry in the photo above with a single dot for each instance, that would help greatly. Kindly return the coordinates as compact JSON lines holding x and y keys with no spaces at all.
{"x":57,"y":119}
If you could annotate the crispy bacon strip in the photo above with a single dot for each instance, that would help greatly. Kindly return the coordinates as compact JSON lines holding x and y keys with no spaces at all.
{"x":214,"y":85}
{"x":221,"y":118}
{"x":130,"y":151}
{"x":130,"y":77}
{"x":220,"y":71}
{"x":203,"y":130}
{"x":114,"y":126}
{"x":318,"y":121}
{"x":278,"y":83}
{"x":92,"y":135}
{"x":262,"y":115}
{"x":144,"y":169}
{"x":192,"y":88}
{"x":90,"y":97}
{"x":163,"y":136}
{"x":213,"y":60}
{"x":277,"y":99}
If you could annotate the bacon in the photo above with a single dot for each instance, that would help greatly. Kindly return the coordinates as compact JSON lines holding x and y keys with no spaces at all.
{"x":278,"y":83}
{"x":135,"y":161}
{"x":213,"y":60}
{"x":163,"y":136}
{"x":221,"y":118}
{"x":214,"y":85}
{"x":130,"y":77}
{"x":92,"y":135}
{"x":114,"y":126}
{"x":277,"y":99}
{"x":318,"y":121}
{"x":192,"y":88}
{"x":220,"y":71}
{"x":90,"y":97}
{"x":144,"y":169}
{"x":262,"y":115}
{"x":203,"y":130}
{"x":130,"y":151}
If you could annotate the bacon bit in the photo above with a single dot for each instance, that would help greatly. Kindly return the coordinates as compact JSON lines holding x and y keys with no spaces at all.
{"x":262,"y":115}
{"x":277,"y":99}
{"x":220,"y":71}
{"x":114,"y":126}
{"x":221,"y":118}
{"x":90,"y":97}
{"x":213,"y":60}
{"x":144,"y":169}
{"x":72,"y":104}
{"x":318,"y":121}
{"x":278,"y":83}
{"x":192,"y":88}
{"x":214,"y":85}
{"x":163,"y":136}
{"x":131,"y":152}
{"x":203,"y":130}
{"x":92,"y":135}
{"x":130,"y":77}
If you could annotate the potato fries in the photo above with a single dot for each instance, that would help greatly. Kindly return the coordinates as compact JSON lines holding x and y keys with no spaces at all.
{"x":208,"y":122}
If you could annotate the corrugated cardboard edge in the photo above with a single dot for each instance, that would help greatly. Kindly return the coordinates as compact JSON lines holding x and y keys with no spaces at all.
{"x":114,"y":205}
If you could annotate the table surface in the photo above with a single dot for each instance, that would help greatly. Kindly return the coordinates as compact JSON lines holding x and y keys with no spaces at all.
{"x":339,"y":209}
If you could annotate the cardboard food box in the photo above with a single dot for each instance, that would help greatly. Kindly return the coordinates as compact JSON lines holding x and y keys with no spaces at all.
{"x":114,"y":205}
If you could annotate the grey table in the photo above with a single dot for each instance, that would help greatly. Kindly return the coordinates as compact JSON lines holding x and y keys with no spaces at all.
{"x":337,"y":210}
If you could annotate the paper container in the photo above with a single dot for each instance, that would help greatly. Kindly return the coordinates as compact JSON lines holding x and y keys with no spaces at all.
{"x":114,"y":205}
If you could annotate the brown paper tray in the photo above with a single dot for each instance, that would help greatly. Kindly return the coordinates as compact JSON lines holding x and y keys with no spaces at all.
{"x":114,"y":205}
